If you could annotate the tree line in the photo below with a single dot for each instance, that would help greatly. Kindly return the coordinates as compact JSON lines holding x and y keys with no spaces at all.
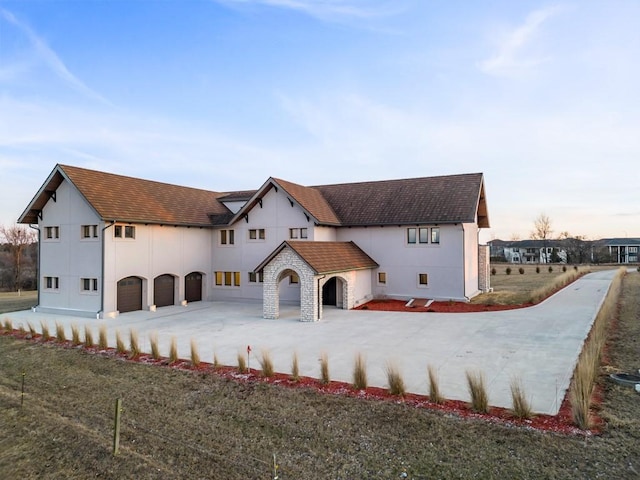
{"x":18,"y":258}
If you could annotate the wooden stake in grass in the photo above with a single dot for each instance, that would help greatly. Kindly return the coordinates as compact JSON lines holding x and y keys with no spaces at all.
{"x":266,"y":364}
{"x":120,"y":348}
{"x":395,"y":380}
{"x":324,"y":368}
{"x":88,"y":337}
{"x":242,"y":363}
{"x":134,"y":343}
{"x":173,"y":350}
{"x":153,"y":341}
{"x":75,"y":334}
{"x":103,"y":343}
{"x":360,"y":372}
{"x":521,"y":406}
{"x":44,"y":328}
{"x":60,"y":336}
{"x":434,"y":386}
{"x":478,"y":392}
{"x":195,"y":356}
{"x":295,"y":368}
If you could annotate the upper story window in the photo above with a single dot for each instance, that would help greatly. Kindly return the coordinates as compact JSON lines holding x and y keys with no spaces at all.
{"x":52,"y":233}
{"x":227,"y":237}
{"x":295,"y":233}
{"x":89,"y":231}
{"x":89,"y":284}
{"x":423,"y":235}
{"x":633,"y":249}
{"x":52,"y":283}
{"x":124,"y":231}
{"x":257,"y":234}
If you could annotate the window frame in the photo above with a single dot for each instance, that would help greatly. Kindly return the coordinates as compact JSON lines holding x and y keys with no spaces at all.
{"x":382,"y":278}
{"x":51,"y":283}
{"x":52,"y":232}
{"x":89,"y":232}
{"x":421,"y":283}
{"x":257,"y":234}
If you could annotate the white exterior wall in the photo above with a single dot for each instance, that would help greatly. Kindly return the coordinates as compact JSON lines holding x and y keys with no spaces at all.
{"x":471,"y":260}
{"x":156,"y":250}
{"x":402,"y":262}
{"x":69,"y":257}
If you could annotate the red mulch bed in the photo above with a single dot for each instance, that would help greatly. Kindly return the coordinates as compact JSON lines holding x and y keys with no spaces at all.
{"x":389,"y":305}
{"x":560,"y":423}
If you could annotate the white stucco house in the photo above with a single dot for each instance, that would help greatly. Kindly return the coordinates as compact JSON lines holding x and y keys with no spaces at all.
{"x":110,"y":244}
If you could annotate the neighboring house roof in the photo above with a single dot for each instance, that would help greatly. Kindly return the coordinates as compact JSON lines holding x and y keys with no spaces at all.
{"x":619,"y":241}
{"x":127,"y":199}
{"x":326,"y":257}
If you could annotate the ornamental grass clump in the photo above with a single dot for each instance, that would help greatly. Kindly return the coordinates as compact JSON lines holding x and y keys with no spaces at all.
{"x":120,"y":348}
{"x":324,"y":368}
{"x":216,"y":360}
{"x":295,"y":367}
{"x":521,"y":406}
{"x":360,"y":372}
{"x":8,"y":325}
{"x":478,"y":392}
{"x":103,"y":343}
{"x":395,"y":380}
{"x":242,"y":363}
{"x":32,"y":330}
{"x":88,"y":337}
{"x":173,"y":350}
{"x":195,"y":356}
{"x":266,"y":364}
{"x":44,"y":328}
{"x":75,"y":334}
{"x":60,"y":336}
{"x":153,"y":342}
{"x":134,"y":343}
{"x":434,"y":386}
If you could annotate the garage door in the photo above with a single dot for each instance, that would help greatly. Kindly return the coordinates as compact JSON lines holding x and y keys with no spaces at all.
{"x":163,"y":287}
{"x":129,"y":294}
{"x":193,"y":287}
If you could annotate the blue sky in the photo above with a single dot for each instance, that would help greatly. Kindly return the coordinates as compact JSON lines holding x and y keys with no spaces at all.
{"x":542,"y":97}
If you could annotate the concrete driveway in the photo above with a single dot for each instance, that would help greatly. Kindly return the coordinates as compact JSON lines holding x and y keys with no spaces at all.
{"x":539,"y":345}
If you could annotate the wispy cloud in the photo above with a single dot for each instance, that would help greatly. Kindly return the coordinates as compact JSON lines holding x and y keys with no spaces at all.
{"x":50,"y":58}
{"x":331,"y":10}
{"x":510,"y":57}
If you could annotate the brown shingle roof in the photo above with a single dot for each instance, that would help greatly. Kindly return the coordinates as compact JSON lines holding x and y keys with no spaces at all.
{"x":312,"y":200}
{"x":327,"y":257}
{"x":443,"y":199}
{"x":127,"y":199}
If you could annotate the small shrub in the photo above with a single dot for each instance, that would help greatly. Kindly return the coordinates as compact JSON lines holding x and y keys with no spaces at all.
{"x":134,"y":343}
{"x":88,"y":337}
{"x":521,"y":270}
{"x":120,"y":348}
{"x":32,"y":330}
{"x":195,"y":356}
{"x":173,"y":350}
{"x":478,"y":392}
{"x":44,"y":328}
{"x":153,"y":342}
{"x":295,"y":367}
{"x":564,"y":268}
{"x":8,"y":325}
{"x":360,"y":372}
{"x":60,"y":336}
{"x":550,"y":269}
{"x":508,"y":271}
{"x":395,"y":380}
{"x":22,"y":330}
{"x":538,"y":269}
{"x":242,"y":363}
{"x":521,"y":406}
{"x":493,"y":271}
{"x":434,"y":386}
{"x":75,"y":334}
{"x":266,"y":364}
{"x":103,"y":343}
{"x":324,"y":368}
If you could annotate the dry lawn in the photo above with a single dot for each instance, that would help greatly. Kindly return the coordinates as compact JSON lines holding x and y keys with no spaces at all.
{"x":12,"y":302}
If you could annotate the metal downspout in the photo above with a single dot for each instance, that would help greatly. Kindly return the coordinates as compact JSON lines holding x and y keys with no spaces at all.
{"x":102,"y":269}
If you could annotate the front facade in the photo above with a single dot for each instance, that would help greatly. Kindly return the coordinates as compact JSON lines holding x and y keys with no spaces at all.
{"x":111,"y":244}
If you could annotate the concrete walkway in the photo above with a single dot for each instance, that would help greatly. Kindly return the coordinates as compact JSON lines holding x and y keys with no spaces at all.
{"x":539,"y":345}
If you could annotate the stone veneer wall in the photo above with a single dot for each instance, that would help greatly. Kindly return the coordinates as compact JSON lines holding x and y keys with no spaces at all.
{"x":484,"y":275}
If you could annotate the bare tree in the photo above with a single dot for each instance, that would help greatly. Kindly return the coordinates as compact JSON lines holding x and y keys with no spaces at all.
{"x":542,"y":231}
{"x":17,"y":238}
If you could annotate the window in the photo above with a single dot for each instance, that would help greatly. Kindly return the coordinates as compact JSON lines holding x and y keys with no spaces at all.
{"x":124,"y":231}
{"x":256,"y":277}
{"x":298,"y":233}
{"x":435,"y":235}
{"x":89,"y":231}
{"x":89,"y":284}
{"x":423,"y":279}
{"x":294,"y":279}
{"x":227,"y":237}
{"x":256,"y":234}
{"x":52,"y":233}
{"x":227,"y":279}
{"x":52,"y":283}
{"x":423,"y":235}
{"x":411,"y":235}
{"x":382,"y":277}
{"x":633,"y":249}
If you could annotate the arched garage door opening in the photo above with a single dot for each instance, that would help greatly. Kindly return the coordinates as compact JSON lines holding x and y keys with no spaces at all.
{"x":193,"y":287}
{"x":130,"y":294}
{"x":164,"y":290}
{"x":332,"y":292}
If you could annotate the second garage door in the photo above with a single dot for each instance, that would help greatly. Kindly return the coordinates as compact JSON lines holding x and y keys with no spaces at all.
{"x":163,"y":288}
